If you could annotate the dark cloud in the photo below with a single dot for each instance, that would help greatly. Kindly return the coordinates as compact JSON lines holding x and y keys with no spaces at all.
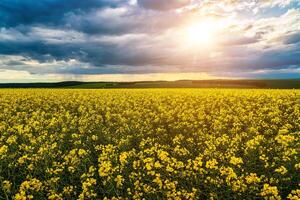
{"x":114,"y":36}
{"x":98,"y":53}
{"x":118,"y":21}
{"x":163,"y":4}
{"x":277,"y":59}
{"x":292,"y":38}
{"x":239,"y":59}
{"x":240,"y":40}
{"x":140,"y":57}
{"x":17,"y":12}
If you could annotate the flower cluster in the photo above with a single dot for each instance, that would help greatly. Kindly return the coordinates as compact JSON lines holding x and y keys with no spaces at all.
{"x":149,"y":144}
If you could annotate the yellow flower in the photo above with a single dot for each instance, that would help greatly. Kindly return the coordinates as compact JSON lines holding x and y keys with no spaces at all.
{"x":270,"y":192}
{"x":94,"y":137}
{"x":119,"y":180}
{"x":148,"y":166}
{"x":71,"y":169}
{"x":68,"y":190}
{"x":157,"y":164}
{"x":105,"y":168}
{"x":92,"y":169}
{"x":33,"y":184}
{"x":55,"y":197}
{"x":169,"y":168}
{"x":235,"y":160}
{"x":285,"y":139}
{"x":20,"y":196}
{"x":87,"y":186}
{"x":294,"y":195}
{"x":158,"y":181}
{"x":149,"y":163}
{"x":162,"y":155}
{"x":211,"y":164}
{"x":3,"y":151}
{"x":282,"y":170}
{"x":11,"y":140}
{"x":170,"y":185}
{"x":123,"y":158}
{"x":197,"y":163}
{"x":6,"y":185}
{"x":82,"y":152}
{"x":149,"y":144}
{"x":22,"y":159}
{"x":136,"y":164}
{"x":30,"y":167}
{"x":252,"y":178}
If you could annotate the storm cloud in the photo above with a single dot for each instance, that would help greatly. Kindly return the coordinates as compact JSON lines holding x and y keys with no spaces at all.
{"x":162,"y":4}
{"x":143,"y":36}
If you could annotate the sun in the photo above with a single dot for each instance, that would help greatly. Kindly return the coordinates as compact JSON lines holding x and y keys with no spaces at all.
{"x":201,"y":33}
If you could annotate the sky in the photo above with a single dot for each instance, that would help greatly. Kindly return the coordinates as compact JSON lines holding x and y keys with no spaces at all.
{"x":135,"y":40}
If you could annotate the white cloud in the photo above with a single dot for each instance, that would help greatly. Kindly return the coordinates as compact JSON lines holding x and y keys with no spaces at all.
{"x":11,"y":34}
{"x":56,"y":36}
{"x":19,"y":76}
{"x":272,"y":30}
{"x":128,"y":39}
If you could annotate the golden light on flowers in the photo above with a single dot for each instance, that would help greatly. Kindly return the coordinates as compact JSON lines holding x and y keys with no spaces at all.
{"x":178,"y":138}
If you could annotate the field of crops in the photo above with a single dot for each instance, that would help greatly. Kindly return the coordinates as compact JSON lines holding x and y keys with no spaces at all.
{"x":149,"y":143}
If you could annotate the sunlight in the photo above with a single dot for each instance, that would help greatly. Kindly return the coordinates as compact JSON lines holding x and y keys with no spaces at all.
{"x":201,"y":33}
{"x":206,"y":32}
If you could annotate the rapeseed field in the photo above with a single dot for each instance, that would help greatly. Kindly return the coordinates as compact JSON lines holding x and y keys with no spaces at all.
{"x":149,"y":144}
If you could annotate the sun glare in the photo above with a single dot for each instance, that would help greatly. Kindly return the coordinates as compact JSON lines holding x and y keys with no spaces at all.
{"x":201,"y":33}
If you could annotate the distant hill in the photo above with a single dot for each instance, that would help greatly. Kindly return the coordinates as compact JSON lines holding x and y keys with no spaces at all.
{"x":222,"y":83}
